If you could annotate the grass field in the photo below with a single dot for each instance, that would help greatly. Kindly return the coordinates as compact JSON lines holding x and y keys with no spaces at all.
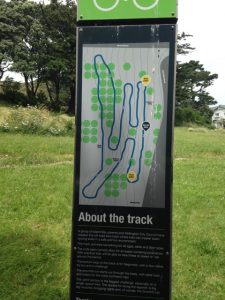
{"x":35,"y":206}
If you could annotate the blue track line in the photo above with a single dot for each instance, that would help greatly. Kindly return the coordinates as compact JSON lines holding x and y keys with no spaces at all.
{"x":120,"y":132}
{"x":137,"y":107}
{"x":112,"y":171}
{"x":121,"y":118}
{"x":142,"y":146}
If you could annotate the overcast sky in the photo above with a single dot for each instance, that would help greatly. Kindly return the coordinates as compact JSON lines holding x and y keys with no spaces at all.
{"x":204,"y":19}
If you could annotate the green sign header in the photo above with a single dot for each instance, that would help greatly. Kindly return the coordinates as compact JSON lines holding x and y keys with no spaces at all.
{"x":126,"y":9}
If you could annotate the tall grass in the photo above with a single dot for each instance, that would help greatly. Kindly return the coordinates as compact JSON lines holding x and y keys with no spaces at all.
{"x":31,"y":120}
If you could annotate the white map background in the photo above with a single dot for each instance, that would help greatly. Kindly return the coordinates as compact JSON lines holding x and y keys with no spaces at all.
{"x":93,"y":189}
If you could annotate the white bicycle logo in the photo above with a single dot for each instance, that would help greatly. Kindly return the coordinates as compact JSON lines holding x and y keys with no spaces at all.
{"x":117,"y":2}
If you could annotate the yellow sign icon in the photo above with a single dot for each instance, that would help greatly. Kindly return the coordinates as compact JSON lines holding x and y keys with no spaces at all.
{"x":146,"y":80}
{"x":132,"y":176}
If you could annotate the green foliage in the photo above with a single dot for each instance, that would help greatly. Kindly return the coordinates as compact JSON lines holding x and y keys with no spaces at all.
{"x":188,"y":115}
{"x":31,"y":120}
{"x":192,"y":97}
{"x":59,"y":24}
{"x":40,"y":42}
{"x":11,"y":92}
{"x":184,"y":47}
{"x":7,"y":37}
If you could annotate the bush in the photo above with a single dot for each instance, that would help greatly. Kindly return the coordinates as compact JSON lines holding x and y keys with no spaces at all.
{"x":187,"y":115}
{"x":11,"y":92}
{"x":32,"y":120}
{"x":41,"y":99}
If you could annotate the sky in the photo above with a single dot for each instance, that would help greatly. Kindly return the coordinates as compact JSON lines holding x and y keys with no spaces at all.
{"x":204,"y":19}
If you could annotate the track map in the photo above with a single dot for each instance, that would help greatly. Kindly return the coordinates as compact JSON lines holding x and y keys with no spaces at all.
{"x":123,"y":103}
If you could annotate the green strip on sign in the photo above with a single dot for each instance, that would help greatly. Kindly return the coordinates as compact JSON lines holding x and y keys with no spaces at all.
{"x":123,"y":9}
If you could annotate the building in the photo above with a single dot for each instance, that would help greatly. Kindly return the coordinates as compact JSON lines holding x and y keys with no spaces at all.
{"x":218,"y":118}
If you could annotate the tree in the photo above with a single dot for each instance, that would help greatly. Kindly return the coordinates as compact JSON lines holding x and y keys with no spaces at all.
{"x":7,"y":38}
{"x":39,"y":41}
{"x":28,"y":54}
{"x":22,"y":42}
{"x":191,"y":88}
{"x":59,"y":22}
{"x":183,"y":47}
{"x":11,"y":92}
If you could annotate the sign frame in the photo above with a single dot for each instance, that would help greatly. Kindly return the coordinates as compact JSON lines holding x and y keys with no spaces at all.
{"x":163,"y":217}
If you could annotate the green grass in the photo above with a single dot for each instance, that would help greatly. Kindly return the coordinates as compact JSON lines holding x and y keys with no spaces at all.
{"x":21,"y":150}
{"x":199,"y":222}
{"x":36,"y":192}
{"x":35,"y":204}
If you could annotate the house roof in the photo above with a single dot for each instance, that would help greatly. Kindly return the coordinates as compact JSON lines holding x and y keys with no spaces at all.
{"x":218,"y":107}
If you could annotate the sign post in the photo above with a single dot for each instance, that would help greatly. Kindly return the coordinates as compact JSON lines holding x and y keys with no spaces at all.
{"x":121,"y":237}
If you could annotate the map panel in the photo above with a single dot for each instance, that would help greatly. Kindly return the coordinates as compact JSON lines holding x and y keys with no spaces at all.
{"x":123,"y":134}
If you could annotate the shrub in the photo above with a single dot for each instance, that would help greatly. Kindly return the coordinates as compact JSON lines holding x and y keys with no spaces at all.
{"x":11,"y":92}
{"x":188,"y":115}
{"x":32,"y":120}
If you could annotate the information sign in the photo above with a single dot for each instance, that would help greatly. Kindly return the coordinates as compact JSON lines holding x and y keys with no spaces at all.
{"x":126,"y":9}
{"x":121,"y":246}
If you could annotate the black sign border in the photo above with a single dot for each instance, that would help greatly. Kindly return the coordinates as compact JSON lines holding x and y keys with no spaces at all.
{"x":127,"y":34}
